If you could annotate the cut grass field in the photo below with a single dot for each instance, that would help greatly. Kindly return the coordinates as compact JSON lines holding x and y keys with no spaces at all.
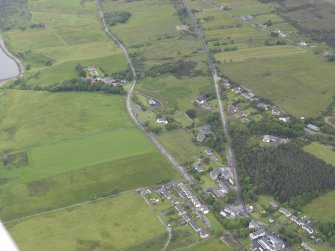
{"x":180,"y":144}
{"x":323,"y":152}
{"x":112,"y":224}
{"x":86,"y":147}
{"x":72,"y":35}
{"x":212,"y":245}
{"x":322,"y":208}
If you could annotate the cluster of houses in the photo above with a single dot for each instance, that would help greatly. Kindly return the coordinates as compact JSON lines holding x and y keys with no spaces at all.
{"x":164,"y":191}
{"x":304,"y":225}
{"x":263,"y":240}
{"x":203,"y":102}
{"x":94,"y":77}
{"x":224,"y":178}
{"x":234,"y":109}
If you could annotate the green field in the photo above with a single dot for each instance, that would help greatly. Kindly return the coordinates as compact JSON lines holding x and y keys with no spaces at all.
{"x":72,"y":35}
{"x":322,"y":208}
{"x":112,"y":224}
{"x":86,"y":146}
{"x":320,"y":151}
{"x":212,"y":245}
{"x":180,"y":144}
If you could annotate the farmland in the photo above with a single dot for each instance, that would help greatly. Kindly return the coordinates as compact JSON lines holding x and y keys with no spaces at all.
{"x":275,"y":68}
{"x":72,"y":35}
{"x":79,"y":152}
{"x":111,"y":224}
{"x":322,"y":208}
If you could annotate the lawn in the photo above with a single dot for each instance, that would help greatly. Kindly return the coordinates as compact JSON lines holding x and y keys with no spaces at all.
{"x":322,"y":208}
{"x":212,"y":245}
{"x":180,"y":144}
{"x":320,"y":151}
{"x":112,"y":224}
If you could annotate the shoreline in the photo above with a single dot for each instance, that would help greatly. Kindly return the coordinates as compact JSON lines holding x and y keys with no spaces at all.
{"x":10,"y":55}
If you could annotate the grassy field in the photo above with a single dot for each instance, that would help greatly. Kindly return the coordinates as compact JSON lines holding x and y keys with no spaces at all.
{"x":212,"y":245}
{"x":180,"y":144}
{"x":72,"y":35}
{"x":112,"y":224}
{"x":322,"y":208}
{"x":323,"y":152}
{"x":80,"y":149}
{"x":30,"y":118}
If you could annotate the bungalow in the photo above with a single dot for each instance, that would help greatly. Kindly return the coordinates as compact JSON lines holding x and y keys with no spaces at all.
{"x":307,"y":228}
{"x":273,"y":139}
{"x":255,"y":235}
{"x":275,"y":111}
{"x":225,"y":186}
{"x":198,"y":167}
{"x":263,"y":106}
{"x":232,"y":109}
{"x":194,"y":226}
{"x":247,"y":17}
{"x":237,"y":90}
{"x":209,"y":152}
{"x":253,"y":225}
{"x":204,"y":209}
{"x":313,"y":127}
{"x":218,"y":193}
{"x":152,"y":102}
{"x":284,"y":119}
{"x":229,"y":213}
{"x":203,"y":234}
{"x":227,"y":85}
{"x":201,"y":100}
{"x":201,"y":137}
{"x":205,"y":129}
{"x":285,"y":212}
{"x":162,"y":120}
{"x":273,"y":204}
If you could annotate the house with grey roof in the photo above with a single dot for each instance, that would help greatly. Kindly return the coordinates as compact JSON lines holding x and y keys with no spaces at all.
{"x":201,"y":137}
{"x":285,"y":212}
{"x":217,"y":193}
{"x":194,"y":226}
{"x":255,"y":235}
{"x":203,"y":234}
{"x":313,"y":127}
{"x":273,"y":204}
{"x":198,"y":167}
{"x":254,"y":225}
{"x":209,"y":152}
{"x":200,"y":100}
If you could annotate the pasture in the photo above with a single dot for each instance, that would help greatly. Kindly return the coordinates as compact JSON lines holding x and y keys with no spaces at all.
{"x":87,"y":146}
{"x":326,"y":153}
{"x":111,"y":224}
{"x":72,"y":35}
{"x":212,"y":245}
{"x":302,"y":85}
{"x":322,"y":208}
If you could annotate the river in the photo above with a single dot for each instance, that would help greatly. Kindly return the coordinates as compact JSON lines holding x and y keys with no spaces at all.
{"x":8,"y":67}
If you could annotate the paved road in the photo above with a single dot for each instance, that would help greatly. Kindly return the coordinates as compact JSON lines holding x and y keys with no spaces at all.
{"x":132,"y":114}
{"x":229,"y":151}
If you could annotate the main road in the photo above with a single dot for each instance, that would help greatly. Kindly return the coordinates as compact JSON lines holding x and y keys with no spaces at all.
{"x":229,"y":150}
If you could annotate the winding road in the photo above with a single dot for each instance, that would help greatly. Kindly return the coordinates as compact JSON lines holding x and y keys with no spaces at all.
{"x":229,"y":151}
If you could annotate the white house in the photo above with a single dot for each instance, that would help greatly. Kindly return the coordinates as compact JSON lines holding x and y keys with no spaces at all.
{"x":162,"y":121}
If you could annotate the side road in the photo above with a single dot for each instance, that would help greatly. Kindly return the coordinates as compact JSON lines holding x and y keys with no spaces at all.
{"x":179,"y":168}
